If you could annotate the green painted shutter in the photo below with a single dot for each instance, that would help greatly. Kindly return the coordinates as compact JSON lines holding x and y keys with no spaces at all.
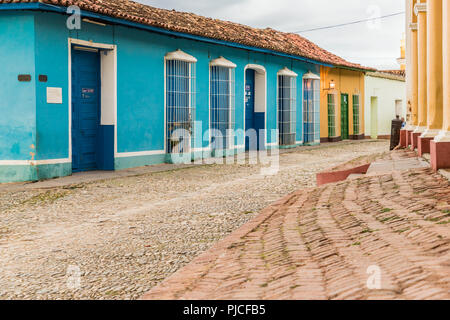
{"x":344,"y":116}
{"x":331,"y":116}
{"x":356,"y":114}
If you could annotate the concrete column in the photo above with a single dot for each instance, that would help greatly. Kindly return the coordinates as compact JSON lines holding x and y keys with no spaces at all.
{"x":411,"y":73}
{"x":414,"y":74}
{"x":446,"y":68}
{"x":440,"y":146}
{"x":434,"y":74}
{"x":420,"y":10}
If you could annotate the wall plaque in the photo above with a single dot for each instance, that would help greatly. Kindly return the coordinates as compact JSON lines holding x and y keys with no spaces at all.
{"x":54,"y":95}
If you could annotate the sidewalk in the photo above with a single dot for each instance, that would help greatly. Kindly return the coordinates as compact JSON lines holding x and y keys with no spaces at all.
{"x":93,"y":176}
{"x":320,"y":243}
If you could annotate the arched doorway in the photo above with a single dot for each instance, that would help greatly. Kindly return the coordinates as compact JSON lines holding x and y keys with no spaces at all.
{"x":255,"y":107}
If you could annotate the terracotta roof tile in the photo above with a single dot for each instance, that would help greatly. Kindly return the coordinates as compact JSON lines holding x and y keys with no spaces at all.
{"x":401,"y":73}
{"x":190,"y":23}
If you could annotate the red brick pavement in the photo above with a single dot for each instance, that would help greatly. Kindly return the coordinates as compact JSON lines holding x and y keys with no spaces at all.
{"x":318,"y":244}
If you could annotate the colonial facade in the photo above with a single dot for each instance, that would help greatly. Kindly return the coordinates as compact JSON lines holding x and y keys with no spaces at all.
{"x":112,"y":85}
{"x":428,"y":79}
{"x":342,"y":104}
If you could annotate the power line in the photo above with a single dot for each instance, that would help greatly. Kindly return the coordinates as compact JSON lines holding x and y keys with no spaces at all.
{"x":374,"y":58}
{"x":350,"y":23}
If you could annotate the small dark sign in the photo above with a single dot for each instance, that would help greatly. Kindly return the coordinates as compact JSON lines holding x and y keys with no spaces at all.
{"x":86,"y":93}
{"x":24,"y":77}
{"x":43,"y":78}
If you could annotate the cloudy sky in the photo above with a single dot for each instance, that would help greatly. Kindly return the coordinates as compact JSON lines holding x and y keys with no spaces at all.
{"x":375,"y":43}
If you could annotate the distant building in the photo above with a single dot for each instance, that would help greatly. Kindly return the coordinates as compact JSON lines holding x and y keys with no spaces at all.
{"x":402,"y":60}
{"x":342,"y":104}
{"x":385,"y":100}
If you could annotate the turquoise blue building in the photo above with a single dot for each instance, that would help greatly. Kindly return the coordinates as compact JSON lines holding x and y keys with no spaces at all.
{"x":104,"y":88}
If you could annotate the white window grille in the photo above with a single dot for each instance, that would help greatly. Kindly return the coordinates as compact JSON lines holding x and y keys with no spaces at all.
{"x":287,"y":111}
{"x":311,"y":108}
{"x":180,"y":102}
{"x":222,"y":103}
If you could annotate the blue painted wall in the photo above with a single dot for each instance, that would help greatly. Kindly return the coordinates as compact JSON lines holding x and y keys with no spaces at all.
{"x":52,"y":129}
{"x":17,"y":99}
{"x":41,"y":46}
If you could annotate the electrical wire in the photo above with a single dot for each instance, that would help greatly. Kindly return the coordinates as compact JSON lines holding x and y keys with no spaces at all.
{"x":351,"y":23}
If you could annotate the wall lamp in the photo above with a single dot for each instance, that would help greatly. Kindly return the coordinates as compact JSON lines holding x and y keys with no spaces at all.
{"x":332,"y":85}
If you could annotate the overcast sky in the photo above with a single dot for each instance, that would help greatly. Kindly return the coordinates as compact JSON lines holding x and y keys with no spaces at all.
{"x":374,"y":43}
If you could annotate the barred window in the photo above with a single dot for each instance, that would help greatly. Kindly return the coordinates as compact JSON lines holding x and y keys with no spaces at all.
{"x":311,"y":108}
{"x":222,"y":104}
{"x":287,"y":100}
{"x":180,"y":102}
{"x":356,"y":114}
{"x":331,"y":115}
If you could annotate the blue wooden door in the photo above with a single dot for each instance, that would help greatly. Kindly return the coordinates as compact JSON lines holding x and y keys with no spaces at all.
{"x":249,"y":103}
{"x":85,"y":109}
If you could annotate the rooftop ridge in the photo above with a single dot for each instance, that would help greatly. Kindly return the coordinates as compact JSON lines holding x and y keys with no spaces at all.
{"x":194,"y":24}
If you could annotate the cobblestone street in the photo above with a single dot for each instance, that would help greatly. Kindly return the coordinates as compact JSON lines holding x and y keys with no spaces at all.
{"x":325,"y":243}
{"x":126,"y":235}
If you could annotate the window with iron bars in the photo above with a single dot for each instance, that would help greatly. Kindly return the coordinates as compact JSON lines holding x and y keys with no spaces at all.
{"x":222,"y":104}
{"x":356,"y":114}
{"x":331,"y":115}
{"x":311,"y":110}
{"x":180,"y":105}
{"x":287,"y":99}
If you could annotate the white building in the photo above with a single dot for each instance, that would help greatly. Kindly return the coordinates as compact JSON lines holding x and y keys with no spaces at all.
{"x":385,"y":99}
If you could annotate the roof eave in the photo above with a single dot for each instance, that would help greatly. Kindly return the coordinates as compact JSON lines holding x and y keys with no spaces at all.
{"x":356,"y":69}
{"x":387,"y":76}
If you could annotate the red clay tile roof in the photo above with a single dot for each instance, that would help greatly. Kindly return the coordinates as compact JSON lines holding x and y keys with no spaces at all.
{"x":190,"y":23}
{"x":401,"y":73}
{"x":398,"y":75}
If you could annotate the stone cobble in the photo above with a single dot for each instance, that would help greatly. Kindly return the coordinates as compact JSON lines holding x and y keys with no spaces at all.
{"x":324,"y":243}
{"x":121,"y":237}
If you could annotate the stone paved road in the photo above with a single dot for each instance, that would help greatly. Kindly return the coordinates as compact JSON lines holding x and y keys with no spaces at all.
{"x":320,"y":243}
{"x":126,"y":235}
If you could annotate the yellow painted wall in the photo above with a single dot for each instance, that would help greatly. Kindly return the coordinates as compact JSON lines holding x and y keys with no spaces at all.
{"x":346,"y":82}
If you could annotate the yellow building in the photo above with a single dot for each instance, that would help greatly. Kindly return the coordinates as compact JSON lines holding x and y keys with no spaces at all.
{"x":342,"y":104}
{"x":428,"y":79}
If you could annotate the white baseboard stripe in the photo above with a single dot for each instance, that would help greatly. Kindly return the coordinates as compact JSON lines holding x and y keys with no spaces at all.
{"x":32,"y":162}
{"x":139,"y":154}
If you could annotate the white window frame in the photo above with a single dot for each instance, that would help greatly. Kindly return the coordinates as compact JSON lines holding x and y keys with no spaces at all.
{"x":291,"y":77}
{"x":224,"y":63}
{"x":316,"y":107}
{"x":181,"y":56}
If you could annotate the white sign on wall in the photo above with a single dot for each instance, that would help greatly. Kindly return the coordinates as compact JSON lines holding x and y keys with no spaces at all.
{"x":54,"y":95}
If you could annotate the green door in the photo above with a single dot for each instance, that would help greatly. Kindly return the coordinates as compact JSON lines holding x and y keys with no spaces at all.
{"x":344,"y":116}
